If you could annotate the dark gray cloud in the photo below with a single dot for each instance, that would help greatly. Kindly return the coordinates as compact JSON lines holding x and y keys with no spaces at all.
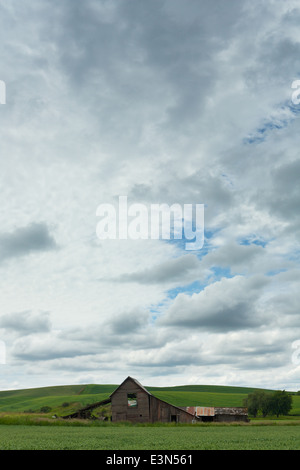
{"x":26,"y":323}
{"x":200,"y":187}
{"x":238,"y":258}
{"x":227,"y":305}
{"x":22,"y":241}
{"x":32,"y":350}
{"x":128,"y":323}
{"x":285,"y":191}
{"x":140,"y":64}
{"x":178,"y":269}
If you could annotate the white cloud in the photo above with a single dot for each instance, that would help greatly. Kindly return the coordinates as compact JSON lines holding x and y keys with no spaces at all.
{"x":226,"y":305}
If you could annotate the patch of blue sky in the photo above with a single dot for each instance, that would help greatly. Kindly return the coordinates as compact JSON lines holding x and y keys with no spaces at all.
{"x":295,"y":256}
{"x":261,"y":133}
{"x":274,"y":272}
{"x":155,"y":311}
{"x":287,"y":112}
{"x":218,"y":272}
{"x":188,"y":289}
{"x":209,"y":233}
{"x":293,"y":108}
{"x":253,"y":240}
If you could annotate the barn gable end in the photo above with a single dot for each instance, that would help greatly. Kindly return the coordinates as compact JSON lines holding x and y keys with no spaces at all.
{"x":132,"y":402}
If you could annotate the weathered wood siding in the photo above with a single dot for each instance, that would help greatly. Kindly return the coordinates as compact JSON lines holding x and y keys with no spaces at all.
{"x":119,"y":404}
{"x":231,"y":414}
{"x":148,"y":409}
{"x":164,"y":412}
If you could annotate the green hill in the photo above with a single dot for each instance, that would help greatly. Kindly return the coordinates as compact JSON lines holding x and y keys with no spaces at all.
{"x":66,"y":399}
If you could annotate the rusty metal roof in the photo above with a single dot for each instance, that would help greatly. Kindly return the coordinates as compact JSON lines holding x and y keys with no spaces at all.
{"x":231,"y":411}
{"x":213,"y":411}
{"x":201,"y":410}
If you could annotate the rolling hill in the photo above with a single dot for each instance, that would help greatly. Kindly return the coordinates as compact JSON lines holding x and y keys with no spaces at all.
{"x":65,"y":399}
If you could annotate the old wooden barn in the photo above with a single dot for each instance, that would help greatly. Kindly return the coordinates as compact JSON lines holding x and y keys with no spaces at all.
{"x":131,"y":401}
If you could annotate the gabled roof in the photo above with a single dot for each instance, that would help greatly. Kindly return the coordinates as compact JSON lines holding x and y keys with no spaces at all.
{"x":135,"y":381}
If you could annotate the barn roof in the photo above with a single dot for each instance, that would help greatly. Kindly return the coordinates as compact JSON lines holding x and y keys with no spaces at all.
{"x":136,"y":382}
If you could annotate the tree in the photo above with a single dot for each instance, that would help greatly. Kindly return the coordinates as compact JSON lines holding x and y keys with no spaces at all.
{"x":277,"y":403}
{"x":266,"y":404}
{"x":254,"y":402}
{"x":281,"y":403}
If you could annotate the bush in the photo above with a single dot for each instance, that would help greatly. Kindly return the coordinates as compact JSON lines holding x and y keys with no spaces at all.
{"x":45,"y":409}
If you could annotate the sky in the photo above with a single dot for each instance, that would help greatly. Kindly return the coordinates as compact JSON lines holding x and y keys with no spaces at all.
{"x":164,"y":102}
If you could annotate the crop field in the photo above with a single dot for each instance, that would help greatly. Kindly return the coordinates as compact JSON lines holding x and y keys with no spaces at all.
{"x":163,"y":437}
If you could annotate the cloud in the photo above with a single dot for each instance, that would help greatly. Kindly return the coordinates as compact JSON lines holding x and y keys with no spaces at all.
{"x":284,"y":197}
{"x":226,"y":305}
{"x":237,"y":257}
{"x":179,"y":269}
{"x":46,"y":349}
{"x":25,"y":240}
{"x":128,"y":323}
{"x":25,"y":323}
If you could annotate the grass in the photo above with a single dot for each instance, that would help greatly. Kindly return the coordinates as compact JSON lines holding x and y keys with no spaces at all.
{"x":81,"y":395}
{"x":34,"y":399}
{"x":150,"y":437}
{"x":201,"y":398}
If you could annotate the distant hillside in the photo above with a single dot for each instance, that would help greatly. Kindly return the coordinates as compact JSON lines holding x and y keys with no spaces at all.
{"x":206,"y":388}
{"x":68,"y":398}
{"x":33,"y":399}
{"x":202,"y":395}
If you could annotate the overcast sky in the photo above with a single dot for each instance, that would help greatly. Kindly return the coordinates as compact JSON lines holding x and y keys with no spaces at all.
{"x":162,"y":101}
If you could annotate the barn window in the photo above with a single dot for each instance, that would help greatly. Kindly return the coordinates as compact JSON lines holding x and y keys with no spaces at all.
{"x":131,"y":399}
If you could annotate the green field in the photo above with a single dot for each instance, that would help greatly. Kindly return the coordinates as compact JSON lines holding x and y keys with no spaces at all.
{"x":164,"y":437}
{"x":78,"y":396}
{"x":23,"y":426}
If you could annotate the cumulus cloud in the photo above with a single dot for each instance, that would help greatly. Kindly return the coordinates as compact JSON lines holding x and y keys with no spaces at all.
{"x":226,"y":305}
{"x":178,"y":269}
{"x":26,"y":323}
{"x":164,"y":104}
{"x":25,"y":240}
